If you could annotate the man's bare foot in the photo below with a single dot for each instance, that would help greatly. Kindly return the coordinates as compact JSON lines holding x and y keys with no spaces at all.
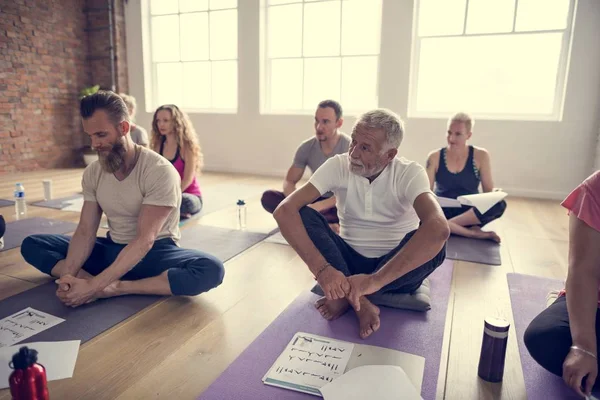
{"x":368,"y":318}
{"x":111,"y":290}
{"x":331,"y":309}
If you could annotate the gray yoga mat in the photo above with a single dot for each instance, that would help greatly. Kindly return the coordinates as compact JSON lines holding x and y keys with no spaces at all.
{"x":528,"y":299}
{"x":16,"y":231}
{"x":473,"y":250}
{"x":81,"y":323}
{"x":6,"y":203}
{"x":85,"y":322}
{"x":57,"y":203}
{"x":220,"y":242}
{"x":408,"y":331}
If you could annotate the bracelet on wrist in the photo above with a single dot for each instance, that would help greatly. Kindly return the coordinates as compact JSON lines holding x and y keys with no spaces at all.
{"x":323,"y":268}
{"x":589,"y":353}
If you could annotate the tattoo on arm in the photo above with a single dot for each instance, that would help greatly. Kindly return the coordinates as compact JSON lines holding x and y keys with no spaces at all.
{"x":428,"y":164}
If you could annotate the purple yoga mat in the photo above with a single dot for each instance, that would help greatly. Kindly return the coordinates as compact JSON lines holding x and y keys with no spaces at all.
{"x":6,"y":203}
{"x":528,"y":298}
{"x":409,"y":331}
{"x":16,"y":231}
{"x":81,"y":323}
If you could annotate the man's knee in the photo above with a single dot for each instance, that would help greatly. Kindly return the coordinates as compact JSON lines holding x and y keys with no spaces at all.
{"x":271,"y":199}
{"x":32,"y":245}
{"x":207,"y":273}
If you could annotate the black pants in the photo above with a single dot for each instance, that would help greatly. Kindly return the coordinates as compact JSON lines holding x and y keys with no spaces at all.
{"x":348,"y":261}
{"x":548,"y":336}
{"x":490,"y":215}
{"x":271,"y":199}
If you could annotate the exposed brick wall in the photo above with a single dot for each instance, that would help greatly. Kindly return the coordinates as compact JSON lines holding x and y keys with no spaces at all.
{"x":46,"y":58}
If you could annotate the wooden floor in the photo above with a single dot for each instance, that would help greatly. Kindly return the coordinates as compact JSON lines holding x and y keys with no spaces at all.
{"x":176,"y":348}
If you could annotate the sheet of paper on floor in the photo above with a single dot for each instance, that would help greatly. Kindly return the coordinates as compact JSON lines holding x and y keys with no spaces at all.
{"x":24,"y":324}
{"x":75,"y":205}
{"x":373,"y":382}
{"x":58,"y":358}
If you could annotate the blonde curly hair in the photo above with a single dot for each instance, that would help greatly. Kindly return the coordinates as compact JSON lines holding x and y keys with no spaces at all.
{"x":184,"y":133}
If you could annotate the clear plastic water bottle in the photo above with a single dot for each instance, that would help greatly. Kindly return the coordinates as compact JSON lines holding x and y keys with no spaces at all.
{"x":20,"y":205}
{"x":241,"y":214}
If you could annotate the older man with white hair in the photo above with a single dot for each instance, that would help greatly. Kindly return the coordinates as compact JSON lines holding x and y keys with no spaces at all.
{"x":392,"y":229}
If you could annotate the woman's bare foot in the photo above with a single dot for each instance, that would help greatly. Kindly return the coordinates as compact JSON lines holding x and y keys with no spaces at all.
{"x":368,"y":318}
{"x":331,"y":309}
{"x":489,"y":235}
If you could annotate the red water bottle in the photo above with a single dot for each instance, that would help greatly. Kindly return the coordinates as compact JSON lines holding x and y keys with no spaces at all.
{"x":28,"y":380}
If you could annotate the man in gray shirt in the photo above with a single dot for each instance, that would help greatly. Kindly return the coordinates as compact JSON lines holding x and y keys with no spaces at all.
{"x":312,"y":153}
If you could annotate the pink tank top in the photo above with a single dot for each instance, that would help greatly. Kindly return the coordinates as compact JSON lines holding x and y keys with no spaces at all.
{"x":179,"y":165}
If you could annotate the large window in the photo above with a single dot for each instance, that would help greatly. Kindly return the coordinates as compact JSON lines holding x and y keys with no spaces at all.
{"x":495,"y":58}
{"x":194,"y":53}
{"x":320,"y":49}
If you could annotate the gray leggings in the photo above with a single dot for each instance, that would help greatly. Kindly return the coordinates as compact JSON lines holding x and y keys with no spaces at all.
{"x":190,"y":204}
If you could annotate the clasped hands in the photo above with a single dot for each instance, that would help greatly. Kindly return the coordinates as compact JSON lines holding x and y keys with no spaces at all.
{"x":74,"y":292}
{"x":337,"y":286}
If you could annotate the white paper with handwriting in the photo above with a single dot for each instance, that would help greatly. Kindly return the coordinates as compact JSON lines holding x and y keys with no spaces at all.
{"x":24,"y":324}
{"x":308,"y":363}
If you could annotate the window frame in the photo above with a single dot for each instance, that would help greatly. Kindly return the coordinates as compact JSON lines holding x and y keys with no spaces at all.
{"x":561,"y":79}
{"x":153,"y":64}
{"x":265,"y":61}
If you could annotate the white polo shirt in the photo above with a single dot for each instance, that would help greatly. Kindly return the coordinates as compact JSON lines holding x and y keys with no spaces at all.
{"x":374,"y":217}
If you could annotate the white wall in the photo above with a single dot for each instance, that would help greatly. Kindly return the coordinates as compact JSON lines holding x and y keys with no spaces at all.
{"x":538,"y":159}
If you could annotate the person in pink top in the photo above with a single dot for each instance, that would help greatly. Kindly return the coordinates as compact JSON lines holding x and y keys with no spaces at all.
{"x":564,"y":338}
{"x":174,"y":138}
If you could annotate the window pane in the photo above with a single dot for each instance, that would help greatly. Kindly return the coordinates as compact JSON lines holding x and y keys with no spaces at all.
{"x":168,"y":83}
{"x":223,"y":35}
{"x":194,"y":36}
{"x":361,"y":26}
{"x":221,"y":4}
{"x":192,"y":5}
{"x":359,"y":83}
{"x":165,"y":38}
{"x":441,"y":17}
{"x":490,"y":16}
{"x":224,"y":85}
{"x":321,"y":80}
{"x":322,"y":29}
{"x":196,"y":91}
{"x":505,"y":77}
{"x":535,"y":15}
{"x":286,"y":85}
{"x":274,"y":2}
{"x":284,"y":31}
{"x":163,"y":7}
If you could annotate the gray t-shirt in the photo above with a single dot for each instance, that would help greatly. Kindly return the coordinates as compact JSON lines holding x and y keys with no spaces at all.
{"x":309,"y":153}
{"x":139,"y":135}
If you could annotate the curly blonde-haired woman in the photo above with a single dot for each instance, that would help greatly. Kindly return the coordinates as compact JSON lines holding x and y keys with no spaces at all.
{"x":174,"y":137}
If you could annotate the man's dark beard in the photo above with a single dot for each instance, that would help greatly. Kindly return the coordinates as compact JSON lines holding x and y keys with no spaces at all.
{"x":113,"y":160}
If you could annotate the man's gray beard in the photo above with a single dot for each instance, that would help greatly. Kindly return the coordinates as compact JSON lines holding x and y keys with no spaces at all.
{"x":114,"y":160}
